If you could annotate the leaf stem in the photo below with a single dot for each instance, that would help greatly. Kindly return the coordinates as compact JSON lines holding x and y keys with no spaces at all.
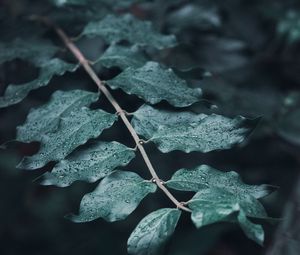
{"x":122,"y":113}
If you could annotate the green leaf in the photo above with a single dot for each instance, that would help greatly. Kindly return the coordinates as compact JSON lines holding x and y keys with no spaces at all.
{"x":213,"y":204}
{"x":16,"y":93}
{"x":205,"y":176}
{"x":153,"y":231}
{"x":90,"y":164}
{"x":45,"y":119}
{"x":32,"y":50}
{"x":187,"y":131}
{"x":74,"y":130}
{"x":153,"y":83}
{"x":117,"y":196}
{"x":289,"y":26}
{"x":95,"y":3}
{"x":253,"y":231}
{"x":123,"y":57}
{"x":114,"y":29}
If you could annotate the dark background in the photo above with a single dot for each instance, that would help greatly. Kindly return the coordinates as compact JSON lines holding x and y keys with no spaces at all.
{"x":251,"y":53}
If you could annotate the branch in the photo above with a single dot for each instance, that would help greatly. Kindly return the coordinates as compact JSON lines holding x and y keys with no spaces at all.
{"x":122,"y":113}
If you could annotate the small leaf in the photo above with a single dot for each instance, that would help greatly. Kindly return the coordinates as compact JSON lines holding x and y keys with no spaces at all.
{"x":32,"y":50}
{"x":114,"y":29}
{"x":153,"y":83}
{"x":253,"y":231}
{"x":45,"y":119}
{"x":90,"y":164}
{"x":213,"y":204}
{"x":205,"y":176}
{"x":123,"y":57}
{"x":74,"y":130}
{"x":115,"y":198}
{"x":187,"y":131}
{"x":153,"y":231}
{"x":16,"y":93}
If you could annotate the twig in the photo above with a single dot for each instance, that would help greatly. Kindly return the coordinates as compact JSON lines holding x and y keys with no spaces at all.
{"x":122,"y":113}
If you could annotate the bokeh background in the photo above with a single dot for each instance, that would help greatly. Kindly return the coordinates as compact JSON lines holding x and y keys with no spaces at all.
{"x":245,"y":55}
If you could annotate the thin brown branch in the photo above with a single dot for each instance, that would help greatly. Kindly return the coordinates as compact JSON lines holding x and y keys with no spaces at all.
{"x":122,"y":113}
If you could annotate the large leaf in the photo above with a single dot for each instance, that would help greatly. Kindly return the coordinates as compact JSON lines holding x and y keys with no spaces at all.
{"x":189,"y":132}
{"x":117,"y":28}
{"x":153,"y":231}
{"x":153,"y":83}
{"x":115,"y":198}
{"x":205,"y":176}
{"x":16,"y":93}
{"x":74,"y":130}
{"x":123,"y":57}
{"x":45,"y":119}
{"x":32,"y":50}
{"x":90,"y":164}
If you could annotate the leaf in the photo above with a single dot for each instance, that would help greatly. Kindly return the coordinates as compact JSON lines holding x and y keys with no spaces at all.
{"x":114,"y":29}
{"x":45,"y":119}
{"x":153,"y":83}
{"x":115,"y":198}
{"x":74,"y":130}
{"x":289,"y":26}
{"x":123,"y":57}
{"x":187,"y":131}
{"x":95,"y":3}
{"x":194,"y":16}
{"x":253,"y":231}
{"x":33,"y":50}
{"x":205,"y":176}
{"x":90,"y":164}
{"x":153,"y":231}
{"x":16,"y":93}
{"x":211,"y":205}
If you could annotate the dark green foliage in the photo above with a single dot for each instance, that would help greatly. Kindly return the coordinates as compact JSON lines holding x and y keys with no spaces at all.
{"x":76,"y":132}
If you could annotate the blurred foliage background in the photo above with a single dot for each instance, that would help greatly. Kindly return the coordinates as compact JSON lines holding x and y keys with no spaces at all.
{"x":245,"y":55}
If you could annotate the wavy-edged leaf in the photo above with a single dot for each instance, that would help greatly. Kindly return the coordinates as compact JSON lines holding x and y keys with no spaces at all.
{"x":187,"y":131}
{"x":205,"y":176}
{"x":16,"y":93}
{"x":211,"y":205}
{"x":154,"y":83}
{"x":74,"y":130}
{"x":122,"y":56}
{"x":153,"y":231}
{"x":45,"y":119}
{"x":90,"y":164}
{"x":117,"y":196}
{"x":126,"y":27}
{"x":253,"y":231}
{"x":32,"y":50}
